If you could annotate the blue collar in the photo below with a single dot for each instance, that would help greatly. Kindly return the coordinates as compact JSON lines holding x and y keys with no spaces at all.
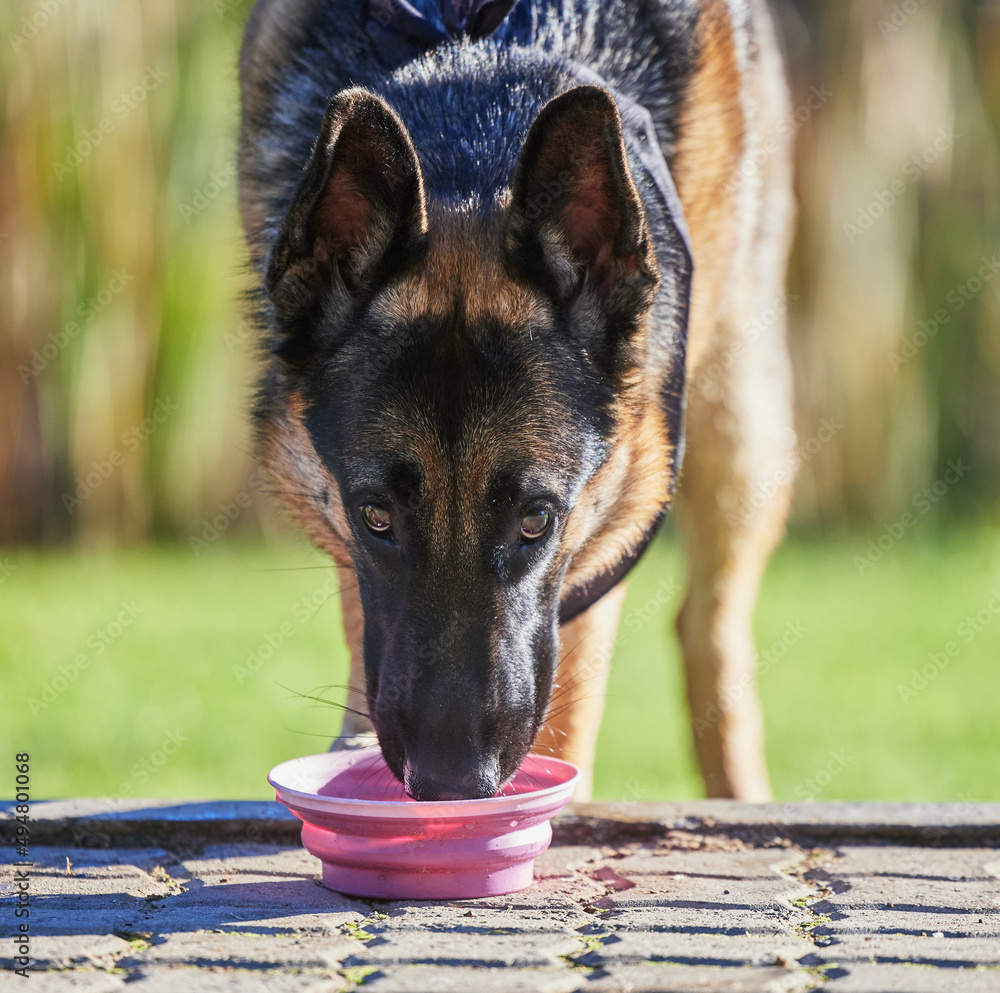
{"x":427,"y":23}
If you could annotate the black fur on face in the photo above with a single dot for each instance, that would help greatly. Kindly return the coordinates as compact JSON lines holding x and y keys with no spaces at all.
{"x":459,"y":434}
{"x":455,"y":441}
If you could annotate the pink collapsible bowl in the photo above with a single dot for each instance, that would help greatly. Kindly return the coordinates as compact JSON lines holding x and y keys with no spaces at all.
{"x":375,"y":841}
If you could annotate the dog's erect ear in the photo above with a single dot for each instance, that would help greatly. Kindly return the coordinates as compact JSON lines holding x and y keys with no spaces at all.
{"x":575,"y":214}
{"x":357,"y":214}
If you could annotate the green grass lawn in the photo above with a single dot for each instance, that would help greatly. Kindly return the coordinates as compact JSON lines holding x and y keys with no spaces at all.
{"x":196,"y":695}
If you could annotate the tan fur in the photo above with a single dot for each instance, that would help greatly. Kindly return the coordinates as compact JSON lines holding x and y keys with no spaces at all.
{"x":712,"y":130}
{"x":305,"y":485}
{"x":635,"y":479}
{"x":739,"y":429}
{"x":463,"y":271}
{"x":586,"y":646}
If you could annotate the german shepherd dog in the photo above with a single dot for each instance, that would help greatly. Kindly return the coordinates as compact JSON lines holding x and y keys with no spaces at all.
{"x":510,"y":256}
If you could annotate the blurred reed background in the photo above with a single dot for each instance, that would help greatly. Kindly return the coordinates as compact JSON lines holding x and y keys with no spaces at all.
{"x":125,"y":369}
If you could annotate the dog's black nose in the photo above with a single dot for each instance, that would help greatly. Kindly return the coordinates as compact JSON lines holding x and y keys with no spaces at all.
{"x":474,"y":785}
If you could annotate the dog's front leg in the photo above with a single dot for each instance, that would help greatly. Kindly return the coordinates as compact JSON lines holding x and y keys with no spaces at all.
{"x":586,"y":645}
{"x":357,"y":730}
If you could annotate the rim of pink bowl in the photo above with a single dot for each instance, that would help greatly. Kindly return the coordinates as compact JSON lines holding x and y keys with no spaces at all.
{"x":410,"y":809}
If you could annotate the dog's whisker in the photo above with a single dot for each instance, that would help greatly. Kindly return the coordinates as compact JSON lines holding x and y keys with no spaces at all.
{"x":570,"y":651}
{"x":346,"y":710}
{"x":563,"y":707}
{"x":320,"y":700}
{"x":313,"y":494}
{"x":574,"y":680}
{"x":292,"y":568}
{"x":549,"y":729}
{"x":341,"y":686}
{"x":373,"y":769}
{"x":573,"y":684}
{"x":562,"y":692}
{"x":250,"y":454}
{"x":540,"y":746}
{"x":336,"y":593}
{"x":533,"y":781}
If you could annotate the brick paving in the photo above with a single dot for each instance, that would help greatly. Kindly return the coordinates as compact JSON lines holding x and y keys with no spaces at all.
{"x":631,"y":898}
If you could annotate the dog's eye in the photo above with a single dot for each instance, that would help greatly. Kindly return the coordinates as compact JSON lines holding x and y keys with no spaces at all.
{"x":376,"y":519}
{"x":535,"y":525}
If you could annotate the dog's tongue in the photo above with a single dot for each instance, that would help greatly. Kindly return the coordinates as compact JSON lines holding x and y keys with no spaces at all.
{"x":396,"y":25}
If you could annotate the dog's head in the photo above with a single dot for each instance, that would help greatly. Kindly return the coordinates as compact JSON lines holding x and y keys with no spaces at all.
{"x":465,"y":415}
